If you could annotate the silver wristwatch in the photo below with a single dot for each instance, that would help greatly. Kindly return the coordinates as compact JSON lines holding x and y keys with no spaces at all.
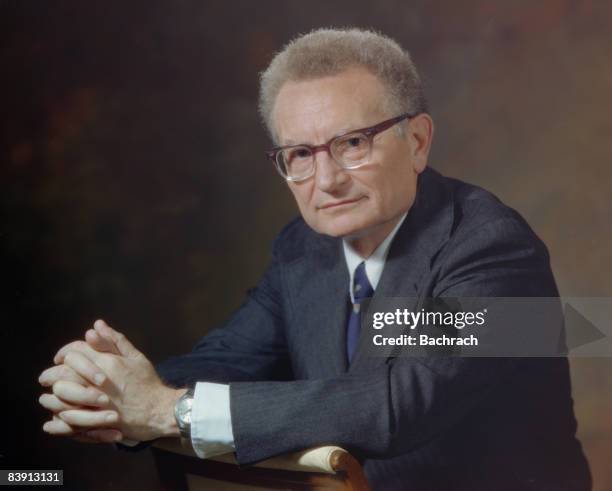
{"x":182,"y":414}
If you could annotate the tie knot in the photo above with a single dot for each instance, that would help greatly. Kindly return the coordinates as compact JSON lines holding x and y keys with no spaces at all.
{"x":361,"y":285}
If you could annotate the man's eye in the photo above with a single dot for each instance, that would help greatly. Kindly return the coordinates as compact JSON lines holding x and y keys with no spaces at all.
{"x":299,"y":153}
{"x":352,"y":144}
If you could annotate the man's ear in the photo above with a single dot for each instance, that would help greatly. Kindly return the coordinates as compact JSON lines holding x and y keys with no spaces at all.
{"x":420,"y":133}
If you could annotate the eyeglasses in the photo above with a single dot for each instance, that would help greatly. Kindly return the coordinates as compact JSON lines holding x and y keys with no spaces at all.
{"x":349,"y":151}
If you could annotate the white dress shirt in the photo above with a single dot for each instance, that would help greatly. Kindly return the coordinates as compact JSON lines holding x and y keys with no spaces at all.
{"x":374,"y":264}
{"x":211,"y":421}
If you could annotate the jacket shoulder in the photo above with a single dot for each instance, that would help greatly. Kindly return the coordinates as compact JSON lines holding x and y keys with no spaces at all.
{"x":475,"y":208}
{"x":489,"y":238}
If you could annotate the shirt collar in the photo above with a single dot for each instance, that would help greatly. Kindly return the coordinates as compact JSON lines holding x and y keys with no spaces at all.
{"x":374,"y":264}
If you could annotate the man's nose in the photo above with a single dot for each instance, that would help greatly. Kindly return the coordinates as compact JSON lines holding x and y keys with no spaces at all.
{"x":328,"y":173}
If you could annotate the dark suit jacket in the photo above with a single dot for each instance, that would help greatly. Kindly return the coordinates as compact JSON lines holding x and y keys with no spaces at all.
{"x":417,"y":423}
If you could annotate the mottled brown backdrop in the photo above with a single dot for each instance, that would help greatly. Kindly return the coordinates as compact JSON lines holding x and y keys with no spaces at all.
{"x":134,"y":185}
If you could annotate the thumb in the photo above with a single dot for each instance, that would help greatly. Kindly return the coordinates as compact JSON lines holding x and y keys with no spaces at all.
{"x":121,"y":342}
{"x":101,"y":343}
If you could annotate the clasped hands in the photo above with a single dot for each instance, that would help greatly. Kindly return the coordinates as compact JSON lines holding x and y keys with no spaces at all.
{"x":104,"y":390}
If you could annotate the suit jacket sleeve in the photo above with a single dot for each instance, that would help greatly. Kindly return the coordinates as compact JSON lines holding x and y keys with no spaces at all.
{"x":405,"y":402}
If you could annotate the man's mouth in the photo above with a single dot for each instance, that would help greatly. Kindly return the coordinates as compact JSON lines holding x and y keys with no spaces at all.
{"x":340,"y":203}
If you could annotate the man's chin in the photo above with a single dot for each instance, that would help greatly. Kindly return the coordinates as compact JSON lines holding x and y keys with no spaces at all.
{"x":342,"y":230}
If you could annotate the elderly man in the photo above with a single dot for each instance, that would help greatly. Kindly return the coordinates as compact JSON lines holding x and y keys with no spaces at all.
{"x":286,"y":372}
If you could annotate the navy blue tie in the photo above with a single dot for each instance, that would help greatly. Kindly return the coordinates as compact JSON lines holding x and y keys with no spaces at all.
{"x":361,"y":290}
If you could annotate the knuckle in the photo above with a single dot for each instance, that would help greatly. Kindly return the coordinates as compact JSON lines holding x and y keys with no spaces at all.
{"x":74,"y":346}
{"x":80,"y":345}
{"x":66,"y":372}
{"x":67,"y":347}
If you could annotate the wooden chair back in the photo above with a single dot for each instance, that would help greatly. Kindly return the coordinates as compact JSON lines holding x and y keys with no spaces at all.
{"x":324,"y":468}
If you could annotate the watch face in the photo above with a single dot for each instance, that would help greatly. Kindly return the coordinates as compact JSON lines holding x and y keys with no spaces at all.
{"x":183,"y":409}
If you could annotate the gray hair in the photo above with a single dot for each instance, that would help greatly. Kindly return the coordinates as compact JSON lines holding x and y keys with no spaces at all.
{"x":325,"y":52}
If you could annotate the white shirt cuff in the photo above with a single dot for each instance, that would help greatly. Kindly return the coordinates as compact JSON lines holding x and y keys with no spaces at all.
{"x":211,"y":421}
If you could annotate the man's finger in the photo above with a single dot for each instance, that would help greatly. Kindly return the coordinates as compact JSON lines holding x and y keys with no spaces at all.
{"x":54,"y":403}
{"x":58,"y":427}
{"x":123,"y":344}
{"x":81,"y":346}
{"x":73,"y":393}
{"x":87,"y":369}
{"x":60,"y":372}
{"x":101,"y":343}
{"x":89,"y":418}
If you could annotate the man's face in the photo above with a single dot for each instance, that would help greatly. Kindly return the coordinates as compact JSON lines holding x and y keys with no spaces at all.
{"x":362,"y":202}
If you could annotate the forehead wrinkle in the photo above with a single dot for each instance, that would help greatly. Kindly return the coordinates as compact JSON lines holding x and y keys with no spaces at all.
{"x":331,"y":107}
{"x":322,"y":129}
{"x":312,"y":112}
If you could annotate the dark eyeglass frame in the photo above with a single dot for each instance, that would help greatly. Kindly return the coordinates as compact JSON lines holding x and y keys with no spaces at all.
{"x":370,"y":132}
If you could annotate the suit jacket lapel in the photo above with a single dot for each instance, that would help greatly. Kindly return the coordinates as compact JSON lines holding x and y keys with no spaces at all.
{"x":424,"y":231}
{"x":318,"y":283}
